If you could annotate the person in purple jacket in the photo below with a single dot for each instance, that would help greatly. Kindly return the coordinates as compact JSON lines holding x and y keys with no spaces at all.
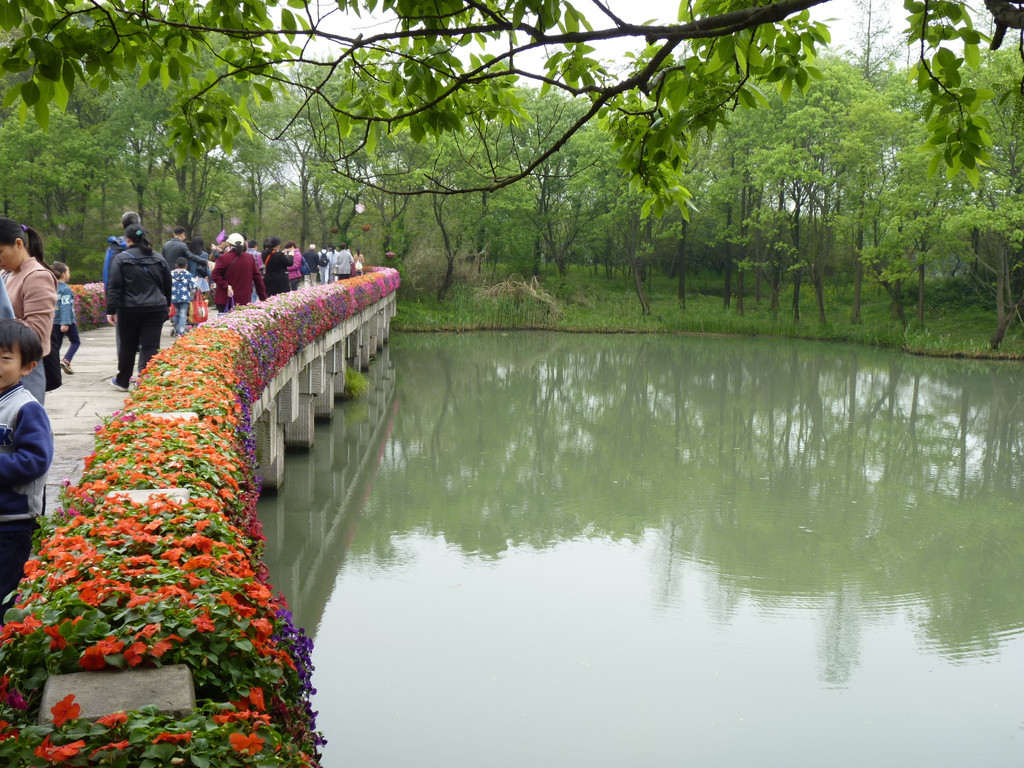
{"x":26,"y":450}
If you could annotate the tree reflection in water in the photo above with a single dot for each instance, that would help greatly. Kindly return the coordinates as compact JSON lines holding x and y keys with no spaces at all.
{"x":853,"y":480}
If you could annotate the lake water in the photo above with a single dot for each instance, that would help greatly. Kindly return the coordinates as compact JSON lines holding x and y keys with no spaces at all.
{"x":579,"y":551}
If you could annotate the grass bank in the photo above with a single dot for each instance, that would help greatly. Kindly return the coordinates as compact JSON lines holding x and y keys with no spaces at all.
{"x":957,"y":323}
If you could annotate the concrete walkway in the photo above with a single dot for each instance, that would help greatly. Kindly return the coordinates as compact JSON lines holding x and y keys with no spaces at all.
{"x":81,"y":403}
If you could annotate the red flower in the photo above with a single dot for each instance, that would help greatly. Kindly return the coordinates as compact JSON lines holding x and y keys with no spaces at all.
{"x":256,"y":697}
{"x":246,"y":744}
{"x":133,"y":655}
{"x":113,"y":719}
{"x":57,"y":641}
{"x":65,"y":710}
{"x":203,"y":623}
{"x":58,"y":754}
{"x":92,"y":659}
{"x":173,"y":738}
{"x":160,"y":647}
{"x":109,"y":645}
{"x":115,"y":745}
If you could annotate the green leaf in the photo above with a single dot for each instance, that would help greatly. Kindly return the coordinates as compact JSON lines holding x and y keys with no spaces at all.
{"x":972,"y":56}
{"x":30,"y":92}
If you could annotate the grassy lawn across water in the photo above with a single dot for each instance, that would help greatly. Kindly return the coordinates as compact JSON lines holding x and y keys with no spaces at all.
{"x":957,"y":323}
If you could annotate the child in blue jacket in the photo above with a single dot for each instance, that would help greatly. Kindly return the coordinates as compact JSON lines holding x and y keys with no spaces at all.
{"x":64,"y":322}
{"x":26,"y":450}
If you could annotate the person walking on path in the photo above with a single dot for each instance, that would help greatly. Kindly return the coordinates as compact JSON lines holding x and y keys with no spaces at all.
{"x":198,"y":258}
{"x":291,"y":249}
{"x":64,"y":320}
{"x":138,"y":298}
{"x":31,"y":288}
{"x":276,"y":263}
{"x":176,"y":248}
{"x":236,"y":276}
{"x":312,"y":259}
{"x":326,"y":261}
{"x":341,"y":265}
{"x":116,"y":243}
{"x":183,"y":285}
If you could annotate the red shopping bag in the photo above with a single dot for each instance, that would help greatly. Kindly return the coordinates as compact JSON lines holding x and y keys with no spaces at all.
{"x":199,"y":312}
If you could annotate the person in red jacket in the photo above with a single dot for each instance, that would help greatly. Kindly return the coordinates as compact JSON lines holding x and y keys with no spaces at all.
{"x":235,"y":275}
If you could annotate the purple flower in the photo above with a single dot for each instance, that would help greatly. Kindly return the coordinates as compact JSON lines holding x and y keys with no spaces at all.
{"x":16,"y":700}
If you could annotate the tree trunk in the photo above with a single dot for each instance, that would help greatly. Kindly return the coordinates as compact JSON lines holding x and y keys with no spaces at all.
{"x":796,"y":296}
{"x":858,"y":277}
{"x":638,"y":281}
{"x":1001,"y":326}
{"x":920,"y":292}
{"x":739,"y":291}
{"x":896,"y":307}
{"x":819,"y":296}
{"x":775,"y":285}
{"x":727,"y":287}
{"x":1003,"y":317}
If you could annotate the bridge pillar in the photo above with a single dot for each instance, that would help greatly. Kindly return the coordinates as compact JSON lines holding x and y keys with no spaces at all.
{"x":298,"y":433}
{"x":270,"y":449}
{"x":364,"y":345}
{"x":322,"y":386}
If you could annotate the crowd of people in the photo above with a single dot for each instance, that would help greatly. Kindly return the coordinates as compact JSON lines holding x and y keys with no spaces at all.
{"x":144,"y":287}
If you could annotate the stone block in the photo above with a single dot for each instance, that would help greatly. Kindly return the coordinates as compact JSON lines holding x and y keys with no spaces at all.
{"x":170,"y":689}
{"x":142,"y":495}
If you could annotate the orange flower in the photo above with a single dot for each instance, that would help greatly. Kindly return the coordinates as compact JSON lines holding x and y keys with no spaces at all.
{"x":160,"y":647}
{"x":109,"y":645}
{"x":148,"y":631}
{"x":173,"y":738}
{"x":133,"y":654}
{"x":58,"y":754}
{"x":115,"y":745}
{"x":250,"y":744}
{"x":256,"y":697}
{"x":64,"y":710}
{"x":57,"y":641}
{"x":92,"y":659}
{"x":203,"y":623}
{"x":113,"y":719}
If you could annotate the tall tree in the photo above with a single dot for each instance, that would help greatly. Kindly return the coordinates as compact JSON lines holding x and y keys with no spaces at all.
{"x":688,"y":73}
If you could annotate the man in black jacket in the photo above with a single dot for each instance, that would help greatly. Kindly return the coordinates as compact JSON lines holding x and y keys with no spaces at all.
{"x":176,"y":248}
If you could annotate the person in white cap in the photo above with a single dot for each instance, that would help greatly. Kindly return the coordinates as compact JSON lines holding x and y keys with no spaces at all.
{"x":235,"y":275}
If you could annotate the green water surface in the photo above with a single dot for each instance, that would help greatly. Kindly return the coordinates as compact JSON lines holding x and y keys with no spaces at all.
{"x":536,"y":549}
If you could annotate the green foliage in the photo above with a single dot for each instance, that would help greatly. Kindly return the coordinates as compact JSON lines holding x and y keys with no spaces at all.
{"x":597,"y":305}
{"x":356,"y":385}
{"x":436,"y":74}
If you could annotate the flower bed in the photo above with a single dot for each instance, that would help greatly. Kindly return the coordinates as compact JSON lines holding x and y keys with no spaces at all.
{"x":121,"y":584}
{"x":90,"y":305}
